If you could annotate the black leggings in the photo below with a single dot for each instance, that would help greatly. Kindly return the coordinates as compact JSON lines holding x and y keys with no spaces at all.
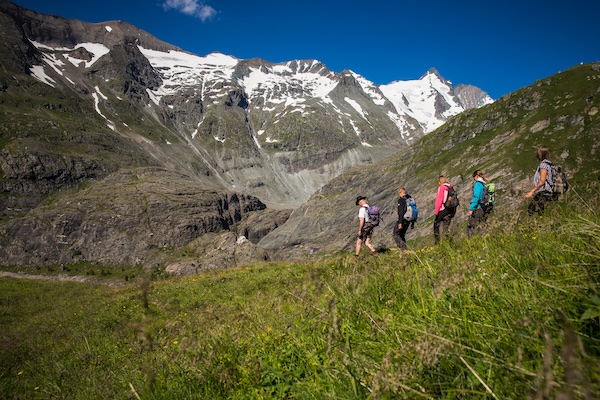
{"x":443,"y":218}
{"x":475,"y":220}
{"x":400,"y":233}
{"x":539,"y":202}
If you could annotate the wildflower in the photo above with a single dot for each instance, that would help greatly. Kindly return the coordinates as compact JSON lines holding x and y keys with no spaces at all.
{"x":269,"y":329}
{"x":175,"y":342}
{"x":533,"y":237}
{"x":36,"y":388}
{"x":20,"y":373}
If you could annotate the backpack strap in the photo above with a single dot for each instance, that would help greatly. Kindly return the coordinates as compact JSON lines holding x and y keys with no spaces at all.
{"x":549,"y":173}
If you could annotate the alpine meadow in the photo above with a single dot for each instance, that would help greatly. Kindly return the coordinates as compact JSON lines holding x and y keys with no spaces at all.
{"x":183,"y":227}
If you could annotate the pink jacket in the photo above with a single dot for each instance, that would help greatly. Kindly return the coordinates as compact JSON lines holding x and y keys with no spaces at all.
{"x":441,"y":197}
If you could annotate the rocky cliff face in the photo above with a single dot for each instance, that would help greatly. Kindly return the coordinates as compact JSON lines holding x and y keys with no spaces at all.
{"x":130,"y":217}
{"x":29,"y":177}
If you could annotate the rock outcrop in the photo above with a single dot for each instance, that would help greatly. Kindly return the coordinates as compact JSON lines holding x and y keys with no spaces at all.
{"x":130,"y":217}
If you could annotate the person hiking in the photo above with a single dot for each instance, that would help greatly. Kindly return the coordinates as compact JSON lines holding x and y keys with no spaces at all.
{"x":365,"y":230}
{"x":476,"y":214}
{"x":443,"y":211}
{"x":402,"y":225}
{"x":542,"y":181}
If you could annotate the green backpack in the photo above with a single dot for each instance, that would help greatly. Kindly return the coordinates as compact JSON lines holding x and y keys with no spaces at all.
{"x":488,"y":197}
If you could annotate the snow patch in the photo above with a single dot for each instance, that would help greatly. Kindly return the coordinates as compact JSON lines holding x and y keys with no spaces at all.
{"x":256,"y":141}
{"x":96,"y":49}
{"x":100,"y":93}
{"x":37,"y":71}
{"x":356,"y":106}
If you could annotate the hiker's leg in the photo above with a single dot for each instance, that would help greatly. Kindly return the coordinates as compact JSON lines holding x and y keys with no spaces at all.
{"x":446,"y":226}
{"x":436,"y":230}
{"x":532,"y":208}
{"x":474,"y":222}
{"x":402,"y":235}
{"x":369,"y":245}
{"x":396,"y":234}
{"x":443,"y":219}
{"x":357,"y":248}
{"x":480,"y":219}
{"x":470,"y":226}
{"x":537,"y":204}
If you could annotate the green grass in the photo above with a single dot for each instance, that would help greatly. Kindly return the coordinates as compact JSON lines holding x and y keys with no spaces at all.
{"x":510,"y":314}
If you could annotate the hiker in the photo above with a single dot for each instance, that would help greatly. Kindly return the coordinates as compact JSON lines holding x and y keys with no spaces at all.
{"x":401,"y":226}
{"x":443,"y":213}
{"x":542,"y":180}
{"x":365,"y":230}
{"x":476,"y":214}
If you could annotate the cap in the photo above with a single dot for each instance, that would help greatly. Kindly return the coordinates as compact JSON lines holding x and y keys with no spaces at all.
{"x":359,"y":198}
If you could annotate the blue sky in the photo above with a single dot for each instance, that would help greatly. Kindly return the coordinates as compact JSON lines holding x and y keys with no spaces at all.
{"x":497,"y":46}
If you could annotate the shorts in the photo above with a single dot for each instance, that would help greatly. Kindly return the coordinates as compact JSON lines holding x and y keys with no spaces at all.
{"x":365,"y":233}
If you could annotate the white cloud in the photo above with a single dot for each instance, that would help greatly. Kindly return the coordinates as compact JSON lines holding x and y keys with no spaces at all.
{"x":195,"y":8}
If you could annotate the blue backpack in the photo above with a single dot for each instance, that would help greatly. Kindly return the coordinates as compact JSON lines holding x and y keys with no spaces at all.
{"x":412,"y":212}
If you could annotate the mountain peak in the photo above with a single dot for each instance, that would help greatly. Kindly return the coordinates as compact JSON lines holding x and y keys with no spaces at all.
{"x":432,"y":71}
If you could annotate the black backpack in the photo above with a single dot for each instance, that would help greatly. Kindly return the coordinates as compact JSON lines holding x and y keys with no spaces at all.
{"x":452,"y":200}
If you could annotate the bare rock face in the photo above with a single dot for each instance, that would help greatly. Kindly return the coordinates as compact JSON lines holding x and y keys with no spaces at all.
{"x":127,"y":218}
{"x":30,"y":176}
{"x":217,"y":251}
{"x":470,"y":96}
{"x":260,"y":223}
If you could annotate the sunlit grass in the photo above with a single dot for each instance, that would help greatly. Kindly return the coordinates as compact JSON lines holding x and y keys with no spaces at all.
{"x":509,"y":314}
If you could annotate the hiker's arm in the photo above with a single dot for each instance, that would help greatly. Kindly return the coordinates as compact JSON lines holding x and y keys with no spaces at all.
{"x":360,"y":224}
{"x":401,"y":211}
{"x":543,"y":176}
{"x":439,"y":200}
{"x":477,"y":192}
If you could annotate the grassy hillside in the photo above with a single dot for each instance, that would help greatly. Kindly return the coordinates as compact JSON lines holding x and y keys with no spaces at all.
{"x":511,"y":314}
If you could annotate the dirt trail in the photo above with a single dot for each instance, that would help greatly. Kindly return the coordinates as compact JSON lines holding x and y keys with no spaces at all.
{"x":65,"y":278}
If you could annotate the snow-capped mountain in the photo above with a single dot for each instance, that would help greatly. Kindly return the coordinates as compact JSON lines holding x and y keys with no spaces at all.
{"x":432,"y":100}
{"x":278,"y":131}
{"x":287,"y":87}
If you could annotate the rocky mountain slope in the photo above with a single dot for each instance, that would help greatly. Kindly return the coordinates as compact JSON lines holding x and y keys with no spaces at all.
{"x":278,"y":131}
{"x":560,"y":111}
{"x":106,"y":108}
